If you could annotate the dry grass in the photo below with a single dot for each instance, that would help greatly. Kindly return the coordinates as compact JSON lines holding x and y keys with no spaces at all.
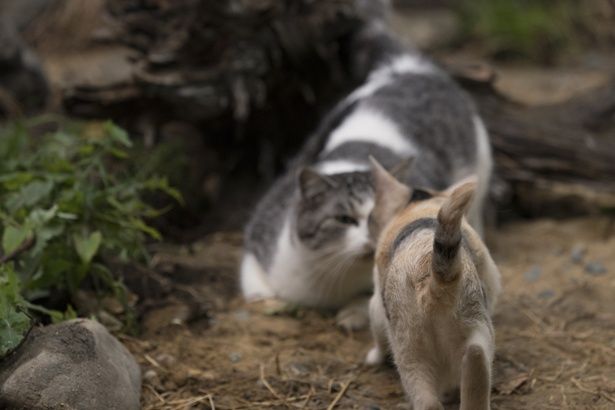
{"x":555,"y":336}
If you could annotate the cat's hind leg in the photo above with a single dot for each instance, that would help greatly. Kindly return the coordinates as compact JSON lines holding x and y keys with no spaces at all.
{"x":253,"y":279}
{"x":420,"y":388}
{"x":476,"y":374}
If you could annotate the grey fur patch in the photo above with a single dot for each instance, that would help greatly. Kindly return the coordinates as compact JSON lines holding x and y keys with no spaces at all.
{"x":412,"y":227}
{"x":360,"y":152}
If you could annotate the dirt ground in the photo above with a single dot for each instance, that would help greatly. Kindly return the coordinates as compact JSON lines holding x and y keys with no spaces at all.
{"x":555,"y":328}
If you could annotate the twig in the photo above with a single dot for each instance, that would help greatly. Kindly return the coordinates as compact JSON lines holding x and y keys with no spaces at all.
{"x":586,"y":389}
{"x":268,"y":386}
{"x":307,"y":399}
{"x":339,"y":395}
{"x":188,"y":402}
{"x":158,"y":396}
{"x":153,"y":362}
{"x":23,"y":247}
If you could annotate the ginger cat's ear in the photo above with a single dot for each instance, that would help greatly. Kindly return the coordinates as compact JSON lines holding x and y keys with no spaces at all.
{"x":390,"y":196}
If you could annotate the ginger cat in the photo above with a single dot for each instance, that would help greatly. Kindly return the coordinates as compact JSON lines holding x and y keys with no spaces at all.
{"x":435,"y":289}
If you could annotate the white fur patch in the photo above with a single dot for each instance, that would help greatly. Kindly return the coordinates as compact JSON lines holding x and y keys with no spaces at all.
{"x":357,"y":237}
{"x":313,"y":279}
{"x":254,"y":284}
{"x":408,"y":63}
{"x":373,"y":84}
{"x":341,"y":166}
{"x":365,"y":125}
{"x":383,"y":75}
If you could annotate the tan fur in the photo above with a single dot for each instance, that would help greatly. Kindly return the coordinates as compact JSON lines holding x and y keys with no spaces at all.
{"x":436,"y":324}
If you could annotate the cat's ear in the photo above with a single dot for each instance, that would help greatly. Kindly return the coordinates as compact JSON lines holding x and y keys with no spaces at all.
{"x":312,"y":183}
{"x":390,"y":197}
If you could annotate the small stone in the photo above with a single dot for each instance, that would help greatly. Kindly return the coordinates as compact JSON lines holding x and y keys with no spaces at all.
{"x":595,"y":268}
{"x":533,"y":274}
{"x":546,"y":294}
{"x":180,"y":377}
{"x":242,"y":315}
{"x":299,"y":369}
{"x":172,"y":314}
{"x":234,"y":357}
{"x":166,"y":360}
{"x":372,"y":407}
{"x":577,"y":253}
{"x":150,"y":375}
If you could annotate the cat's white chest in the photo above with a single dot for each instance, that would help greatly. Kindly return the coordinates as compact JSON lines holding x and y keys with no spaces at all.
{"x":298,"y":275}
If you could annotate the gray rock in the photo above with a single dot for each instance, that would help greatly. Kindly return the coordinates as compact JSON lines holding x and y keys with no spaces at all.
{"x":595,"y":268}
{"x":533,"y":274}
{"x":234,"y":357}
{"x":72,"y":365}
{"x":577,"y":253}
{"x":546,"y":294}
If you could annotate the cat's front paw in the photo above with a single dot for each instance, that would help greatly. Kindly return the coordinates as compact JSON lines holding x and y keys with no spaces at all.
{"x":374,"y":357}
{"x":353,"y":317}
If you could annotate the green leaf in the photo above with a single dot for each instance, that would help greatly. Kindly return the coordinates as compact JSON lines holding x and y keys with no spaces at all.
{"x":15,"y":180}
{"x":13,"y":327}
{"x":14,"y":323}
{"x":143,"y":227}
{"x":40,"y":217}
{"x":87,"y":247}
{"x":162,"y":184}
{"x":13,"y":237}
{"x":118,"y":134}
{"x":30,"y":194}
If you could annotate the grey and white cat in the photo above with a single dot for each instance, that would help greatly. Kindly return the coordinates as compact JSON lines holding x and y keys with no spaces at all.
{"x":307,"y":241}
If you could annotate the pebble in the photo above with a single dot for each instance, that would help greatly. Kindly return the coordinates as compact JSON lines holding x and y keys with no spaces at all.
{"x":234,"y":357}
{"x":546,"y":294}
{"x":150,"y":375}
{"x":299,"y":369}
{"x":577,"y":253}
{"x":595,"y":268}
{"x":242,"y":315}
{"x":533,"y":274}
{"x":166,"y":360}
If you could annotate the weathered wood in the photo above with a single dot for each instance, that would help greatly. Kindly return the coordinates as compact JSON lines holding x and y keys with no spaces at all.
{"x":557,"y":152}
{"x":255,"y":76}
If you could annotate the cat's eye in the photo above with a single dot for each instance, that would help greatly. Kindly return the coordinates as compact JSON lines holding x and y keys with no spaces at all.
{"x":346,"y":220}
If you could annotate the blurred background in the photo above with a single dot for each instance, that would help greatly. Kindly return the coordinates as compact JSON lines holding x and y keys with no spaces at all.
{"x":240,"y":84}
{"x":136,"y":136}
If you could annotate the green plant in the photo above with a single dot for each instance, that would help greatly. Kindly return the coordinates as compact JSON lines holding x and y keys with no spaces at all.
{"x":70,"y":200}
{"x":536,"y":29}
{"x":14,"y":323}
